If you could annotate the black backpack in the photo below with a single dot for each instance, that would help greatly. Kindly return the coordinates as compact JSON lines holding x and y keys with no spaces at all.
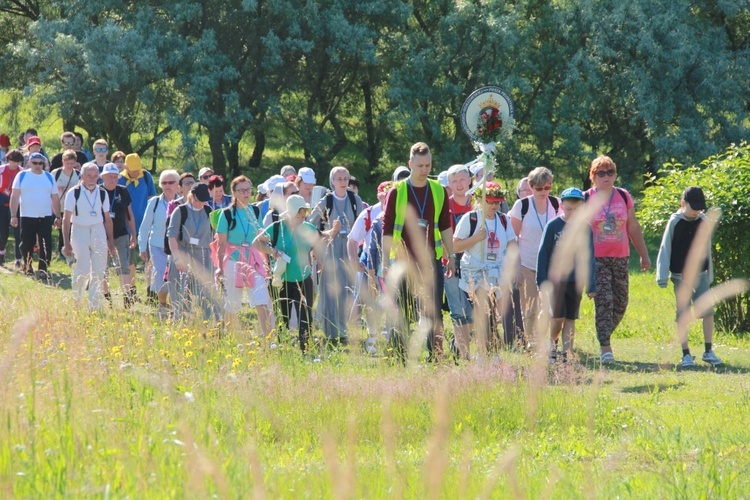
{"x":229,"y":215}
{"x":183,"y":209}
{"x":525,"y":205}
{"x":77,"y":194}
{"x":329,"y":206}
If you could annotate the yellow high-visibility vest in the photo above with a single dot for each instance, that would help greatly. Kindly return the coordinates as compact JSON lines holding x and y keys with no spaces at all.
{"x":438,"y":198}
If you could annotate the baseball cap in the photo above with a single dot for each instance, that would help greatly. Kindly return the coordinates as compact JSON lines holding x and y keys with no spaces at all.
{"x":572,"y":193}
{"x":274,"y":181}
{"x":401,"y":173}
{"x":36,"y":156}
{"x":307,"y":175}
{"x":694,"y":196}
{"x":204,"y":171}
{"x":110,"y":168}
{"x":443,"y":178}
{"x":33,"y":140}
{"x":200,"y":192}
{"x":294,"y":204}
{"x":133,"y":162}
{"x":287,"y":170}
{"x":4,"y":141}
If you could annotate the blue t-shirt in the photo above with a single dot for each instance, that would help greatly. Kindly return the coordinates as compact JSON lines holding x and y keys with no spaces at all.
{"x":139,"y":196}
{"x":246,"y":227}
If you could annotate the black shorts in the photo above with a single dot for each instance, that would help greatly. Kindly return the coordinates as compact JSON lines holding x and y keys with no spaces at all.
{"x":566,"y":300}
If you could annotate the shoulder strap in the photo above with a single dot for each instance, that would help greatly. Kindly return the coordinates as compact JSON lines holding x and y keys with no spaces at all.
{"x":524,"y":207}
{"x":103,"y":195}
{"x":624,"y":196}
{"x":256,"y":211}
{"x":58,"y":173}
{"x":76,"y":195}
{"x":275,"y":233}
{"x":353,"y":201}
{"x":555,"y":203}
{"x":503,"y":221}
{"x":229,"y":216}
{"x":156,"y":203}
{"x":473,"y":220}
{"x":368,"y":219}
{"x":207,"y":209}
{"x":21,"y":176}
{"x":49,"y":178}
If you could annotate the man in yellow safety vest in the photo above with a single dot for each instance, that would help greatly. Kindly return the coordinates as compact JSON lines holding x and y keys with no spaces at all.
{"x":417,"y":231}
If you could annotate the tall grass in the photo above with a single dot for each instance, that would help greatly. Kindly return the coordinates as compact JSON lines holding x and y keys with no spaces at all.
{"x":115,"y":404}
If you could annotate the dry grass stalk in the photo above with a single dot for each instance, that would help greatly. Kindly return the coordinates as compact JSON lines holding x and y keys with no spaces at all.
{"x":436,"y":463}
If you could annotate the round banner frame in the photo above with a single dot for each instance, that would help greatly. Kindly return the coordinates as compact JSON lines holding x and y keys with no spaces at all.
{"x":491,"y":108}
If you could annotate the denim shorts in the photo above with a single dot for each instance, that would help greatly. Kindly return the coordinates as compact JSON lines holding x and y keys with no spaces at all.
{"x":458,"y":302}
{"x":703,"y":286}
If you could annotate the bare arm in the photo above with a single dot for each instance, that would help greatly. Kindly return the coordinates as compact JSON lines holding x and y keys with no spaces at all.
{"x":67,"y":249}
{"x":131,"y":228}
{"x":636,"y":236}
{"x":14,"y":197}
{"x":110,"y":232}
{"x":221,"y":249}
{"x":462,"y":245}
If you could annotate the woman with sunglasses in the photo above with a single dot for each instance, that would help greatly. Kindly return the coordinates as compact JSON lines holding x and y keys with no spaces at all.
{"x":529,"y":216}
{"x":613,"y":224}
{"x":151,"y":235}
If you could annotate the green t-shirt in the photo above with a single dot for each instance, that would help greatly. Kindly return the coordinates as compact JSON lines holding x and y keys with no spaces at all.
{"x":246,"y":227}
{"x":297,"y":246}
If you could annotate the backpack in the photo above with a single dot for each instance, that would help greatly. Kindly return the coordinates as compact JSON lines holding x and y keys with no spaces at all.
{"x":183,"y":210}
{"x":229,"y":216}
{"x":329,"y":206}
{"x":586,"y":195}
{"x":49,"y":177}
{"x":525,"y":205}
{"x":77,"y":194}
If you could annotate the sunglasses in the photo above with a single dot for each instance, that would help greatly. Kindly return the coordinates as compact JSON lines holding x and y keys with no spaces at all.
{"x":167,"y":183}
{"x":66,"y":143}
{"x":37,"y":163}
{"x":206,"y":177}
{"x":294,"y":192}
{"x":101,"y":150}
{"x":545,"y":188}
{"x":606,"y":173}
{"x":243,"y":190}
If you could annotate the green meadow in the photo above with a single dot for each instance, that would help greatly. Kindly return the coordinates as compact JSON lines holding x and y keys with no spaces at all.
{"x":118,"y":405}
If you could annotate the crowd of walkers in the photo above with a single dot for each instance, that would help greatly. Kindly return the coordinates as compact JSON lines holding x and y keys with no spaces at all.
{"x":310,"y":257}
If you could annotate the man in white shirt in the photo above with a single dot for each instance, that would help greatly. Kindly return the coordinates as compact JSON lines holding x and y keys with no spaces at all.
{"x":35,"y":192}
{"x":87,"y":230}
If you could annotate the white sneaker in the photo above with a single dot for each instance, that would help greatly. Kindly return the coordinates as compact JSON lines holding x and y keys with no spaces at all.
{"x":688,"y":361}
{"x":711,"y":358}
{"x":607,"y":358}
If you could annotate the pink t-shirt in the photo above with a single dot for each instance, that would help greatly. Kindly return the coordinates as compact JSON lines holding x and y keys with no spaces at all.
{"x":610,"y":225}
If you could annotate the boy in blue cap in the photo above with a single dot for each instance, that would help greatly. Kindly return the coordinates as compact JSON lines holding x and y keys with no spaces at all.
{"x":566,"y":294}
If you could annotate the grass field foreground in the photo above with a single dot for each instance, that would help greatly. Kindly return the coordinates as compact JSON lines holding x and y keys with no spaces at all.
{"x":119,"y":405}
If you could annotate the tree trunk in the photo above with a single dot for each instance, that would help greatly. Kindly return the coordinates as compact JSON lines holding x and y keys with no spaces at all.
{"x":260,"y":146}
{"x":216,"y":143}
{"x":232,"y":149}
{"x":371,"y":152}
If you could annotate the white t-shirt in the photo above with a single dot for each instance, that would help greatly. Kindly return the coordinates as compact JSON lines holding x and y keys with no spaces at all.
{"x":90,"y":206}
{"x":532,"y":227}
{"x":36,"y":191}
{"x":359,"y":232}
{"x":490,"y":264}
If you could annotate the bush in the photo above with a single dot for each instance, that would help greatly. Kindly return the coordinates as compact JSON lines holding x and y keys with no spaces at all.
{"x":725,"y":179}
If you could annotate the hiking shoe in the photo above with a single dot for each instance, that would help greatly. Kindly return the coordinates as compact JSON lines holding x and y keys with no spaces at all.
{"x":17,"y":265}
{"x":711,"y":358}
{"x":607,"y":358}
{"x":688,"y":361}
{"x":553,"y":356}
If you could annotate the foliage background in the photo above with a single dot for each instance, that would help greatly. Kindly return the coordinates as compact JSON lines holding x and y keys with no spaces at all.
{"x":248,"y":84}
